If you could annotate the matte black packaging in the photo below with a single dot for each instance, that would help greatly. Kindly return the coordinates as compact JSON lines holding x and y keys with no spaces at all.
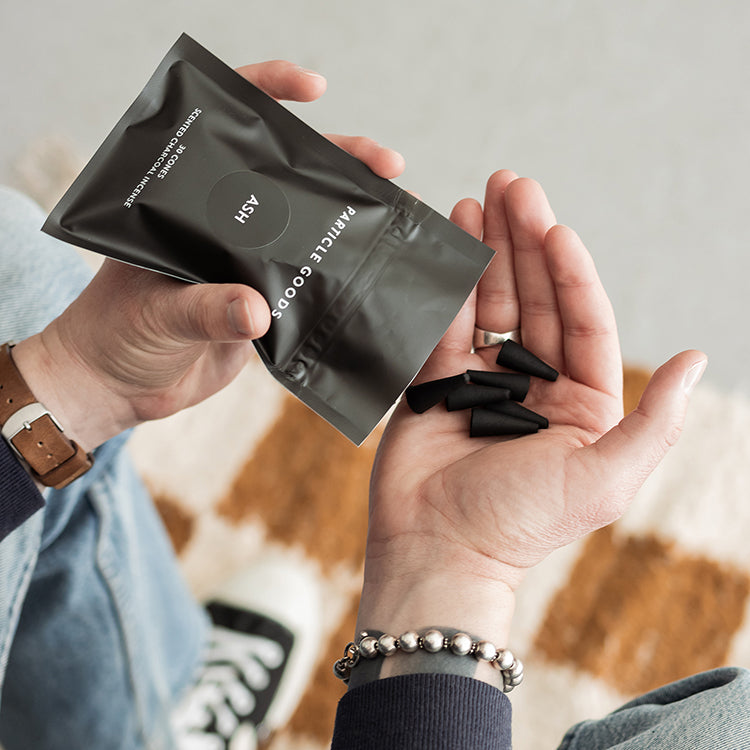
{"x":208,"y":179}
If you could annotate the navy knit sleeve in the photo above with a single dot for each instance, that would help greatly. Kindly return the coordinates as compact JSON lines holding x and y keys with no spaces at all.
{"x":19,"y":496}
{"x":423,"y":712}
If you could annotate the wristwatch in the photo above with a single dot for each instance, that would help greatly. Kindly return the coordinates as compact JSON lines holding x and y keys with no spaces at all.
{"x":33,"y":433}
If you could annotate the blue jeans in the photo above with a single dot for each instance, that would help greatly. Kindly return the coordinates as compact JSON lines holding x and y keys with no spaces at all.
{"x":98,"y":631}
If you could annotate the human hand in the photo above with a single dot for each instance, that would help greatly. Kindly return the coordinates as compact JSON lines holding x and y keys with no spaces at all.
{"x":455,"y":522}
{"x":138,"y":345}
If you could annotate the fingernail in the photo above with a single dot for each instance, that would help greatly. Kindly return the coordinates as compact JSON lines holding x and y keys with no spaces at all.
{"x":693,"y":375}
{"x":312,"y":73}
{"x":240,"y":318}
{"x":401,"y":158}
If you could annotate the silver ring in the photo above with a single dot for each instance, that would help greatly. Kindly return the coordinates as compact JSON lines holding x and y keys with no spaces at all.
{"x":483,"y":339}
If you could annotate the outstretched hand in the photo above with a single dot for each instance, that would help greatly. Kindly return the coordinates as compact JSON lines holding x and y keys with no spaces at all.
{"x":456,"y":521}
{"x":138,"y":345}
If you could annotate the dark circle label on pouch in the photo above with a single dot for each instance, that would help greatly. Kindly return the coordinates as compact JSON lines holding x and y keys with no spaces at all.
{"x":248,"y":210}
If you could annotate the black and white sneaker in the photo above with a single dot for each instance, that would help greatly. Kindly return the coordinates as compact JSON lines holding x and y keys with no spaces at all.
{"x":256,"y":666}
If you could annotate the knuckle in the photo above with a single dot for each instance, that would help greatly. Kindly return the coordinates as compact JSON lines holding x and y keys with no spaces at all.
{"x":584,"y":331}
{"x":539,"y":308}
{"x":672,"y":435}
{"x":198,"y":318}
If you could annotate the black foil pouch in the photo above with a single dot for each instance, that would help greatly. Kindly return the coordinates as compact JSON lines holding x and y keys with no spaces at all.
{"x":208,"y":179}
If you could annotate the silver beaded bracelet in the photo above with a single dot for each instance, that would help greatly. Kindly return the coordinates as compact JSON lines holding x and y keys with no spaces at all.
{"x":432,"y":641}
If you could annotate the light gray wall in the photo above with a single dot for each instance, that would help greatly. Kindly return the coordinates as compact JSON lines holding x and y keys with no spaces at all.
{"x":634,"y":116}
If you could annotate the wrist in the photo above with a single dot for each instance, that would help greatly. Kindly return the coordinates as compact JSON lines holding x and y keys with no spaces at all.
{"x":479,"y":607}
{"x":419,"y":580}
{"x":89,"y":412}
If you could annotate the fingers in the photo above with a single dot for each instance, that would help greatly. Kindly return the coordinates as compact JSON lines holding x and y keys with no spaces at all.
{"x":468,"y":215}
{"x":216,"y":312}
{"x":385,"y":162}
{"x":590,"y":347}
{"x":285,"y":80}
{"x":543,"y":280}
{"x":625,"y":456}
{"x":497,"y":298}
{"x":529,"y":219}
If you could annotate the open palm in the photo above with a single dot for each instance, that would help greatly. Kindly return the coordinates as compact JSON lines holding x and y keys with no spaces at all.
{"x":494,"y":507}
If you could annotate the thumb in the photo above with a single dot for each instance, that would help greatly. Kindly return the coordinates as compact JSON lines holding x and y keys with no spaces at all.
{"x":631,"y":450}
{"x":219,"y":312}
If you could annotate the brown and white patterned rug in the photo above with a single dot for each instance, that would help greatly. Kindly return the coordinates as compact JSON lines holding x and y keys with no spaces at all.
{"x":663,"y":593}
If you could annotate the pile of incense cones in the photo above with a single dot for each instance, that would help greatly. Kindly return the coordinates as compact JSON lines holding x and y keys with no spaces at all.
{"x":493,"y":397}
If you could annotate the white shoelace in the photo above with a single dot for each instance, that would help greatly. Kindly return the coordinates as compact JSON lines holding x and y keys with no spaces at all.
{"x":237,"y":667}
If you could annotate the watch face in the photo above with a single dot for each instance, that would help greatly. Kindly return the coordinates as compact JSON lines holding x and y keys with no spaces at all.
{"x":248,"y":210}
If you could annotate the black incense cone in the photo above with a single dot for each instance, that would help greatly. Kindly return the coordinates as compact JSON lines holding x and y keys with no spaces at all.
{"x":489,"y":423}
{"x":474,"y":395}
{"x":425,"y":395}
{"x":513,"y":409}
{"x":515,"y":357}
{"x":515,"y":382}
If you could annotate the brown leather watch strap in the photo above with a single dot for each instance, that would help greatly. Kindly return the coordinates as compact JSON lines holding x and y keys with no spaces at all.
{"x":33,"y":433}
{"x":14,"y":393}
